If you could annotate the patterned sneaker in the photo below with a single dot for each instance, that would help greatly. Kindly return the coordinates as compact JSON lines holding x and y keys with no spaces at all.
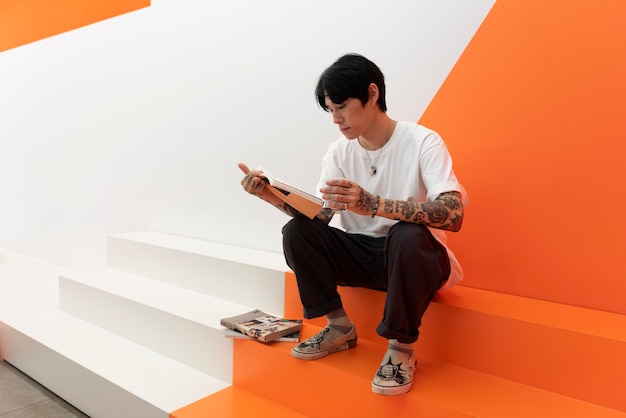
{"x":395,"y":374}
{"x":327,"y":341}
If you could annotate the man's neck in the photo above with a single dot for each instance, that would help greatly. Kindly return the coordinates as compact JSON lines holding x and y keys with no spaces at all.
{"x":379,"y":133}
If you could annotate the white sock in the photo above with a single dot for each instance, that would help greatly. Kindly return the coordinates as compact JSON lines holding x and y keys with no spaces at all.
{"x":339,"y":320}
{"x":397,"y":345}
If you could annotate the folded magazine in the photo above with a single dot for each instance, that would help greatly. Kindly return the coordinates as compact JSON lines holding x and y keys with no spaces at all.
{"x":262,"y":326}
{"x":291,"y":338}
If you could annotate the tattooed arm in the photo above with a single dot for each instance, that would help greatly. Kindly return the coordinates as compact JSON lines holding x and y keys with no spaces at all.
{"x":255,"y":185}
{"x":445,"y":212}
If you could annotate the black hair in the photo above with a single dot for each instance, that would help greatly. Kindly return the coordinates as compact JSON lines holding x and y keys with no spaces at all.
{"x":350,"y":77}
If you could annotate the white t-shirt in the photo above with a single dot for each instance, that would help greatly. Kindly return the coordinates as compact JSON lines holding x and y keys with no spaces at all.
{"x":414,"y":165}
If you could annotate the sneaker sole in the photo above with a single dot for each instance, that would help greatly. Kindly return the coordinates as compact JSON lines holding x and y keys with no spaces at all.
{"x":314,"y":356}
{"x":391,"y":391}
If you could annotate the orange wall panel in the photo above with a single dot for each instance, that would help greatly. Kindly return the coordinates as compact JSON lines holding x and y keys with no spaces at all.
{"x":533,"y":113}
{"x":26,"y":21}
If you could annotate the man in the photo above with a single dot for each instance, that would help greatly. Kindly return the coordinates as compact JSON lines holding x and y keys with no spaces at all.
{"x":397,"y":193}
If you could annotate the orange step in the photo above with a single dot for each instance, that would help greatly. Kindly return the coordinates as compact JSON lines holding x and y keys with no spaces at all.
{"x":569,"y":350}
{"x":340,"y":385}
{"x":235,"y":402}
{"x":576,"y":352}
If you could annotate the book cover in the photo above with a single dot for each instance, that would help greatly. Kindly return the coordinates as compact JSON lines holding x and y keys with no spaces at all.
{"x":262,"y":326}
{"x":306,"y":203}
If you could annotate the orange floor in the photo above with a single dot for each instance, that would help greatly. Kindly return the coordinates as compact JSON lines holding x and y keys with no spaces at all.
{"x":481,"y":354}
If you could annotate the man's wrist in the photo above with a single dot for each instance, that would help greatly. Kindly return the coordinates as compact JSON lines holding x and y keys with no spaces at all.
{"x":375,"y":206}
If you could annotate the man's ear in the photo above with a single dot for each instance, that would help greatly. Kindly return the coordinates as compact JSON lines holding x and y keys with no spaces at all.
{"x":372,"y":93}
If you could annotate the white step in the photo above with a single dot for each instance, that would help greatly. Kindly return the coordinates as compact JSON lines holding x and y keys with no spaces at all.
{"x":102,"y":374}
{"x":242,"y":275}
{"x":176,"y":322}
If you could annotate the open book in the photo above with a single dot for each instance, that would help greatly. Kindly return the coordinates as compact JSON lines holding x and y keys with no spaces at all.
{"x":262,"y":326}
{"x":305,"y":203}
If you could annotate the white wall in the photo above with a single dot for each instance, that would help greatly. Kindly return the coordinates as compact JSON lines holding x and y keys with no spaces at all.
{"x":138,"y":122}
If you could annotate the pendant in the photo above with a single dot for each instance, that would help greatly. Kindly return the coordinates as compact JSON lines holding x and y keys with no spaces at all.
{"x":373,"y":170}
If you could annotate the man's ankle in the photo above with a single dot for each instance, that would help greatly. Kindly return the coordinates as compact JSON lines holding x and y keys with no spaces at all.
{"x":341,"y":328}
{"x":398,"y":346}
{"x":338,"y":319}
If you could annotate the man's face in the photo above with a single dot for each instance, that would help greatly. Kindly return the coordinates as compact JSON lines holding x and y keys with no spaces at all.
{"x":351,"y":116}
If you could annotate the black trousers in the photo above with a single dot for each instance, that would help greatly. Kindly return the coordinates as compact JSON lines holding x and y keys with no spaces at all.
{"x":409,"y":264}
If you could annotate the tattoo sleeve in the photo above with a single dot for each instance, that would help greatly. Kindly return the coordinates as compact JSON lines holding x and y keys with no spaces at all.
{"x":287,"y":209}
{"x":445,"y":212}
{"x":324,"y":215}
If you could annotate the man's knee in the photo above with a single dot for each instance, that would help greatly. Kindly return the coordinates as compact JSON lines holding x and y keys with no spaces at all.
{"x":295,"y":226}
{"x":413,"y":235}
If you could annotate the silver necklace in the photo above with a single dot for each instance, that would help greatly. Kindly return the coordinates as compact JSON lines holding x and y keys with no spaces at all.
{"x":373,"y":168}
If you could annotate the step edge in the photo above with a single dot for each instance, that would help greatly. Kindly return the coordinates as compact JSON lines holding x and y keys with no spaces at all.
{"x":213,"y":249}
{"x":182,"y":303}
{"x":551,"y":314}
